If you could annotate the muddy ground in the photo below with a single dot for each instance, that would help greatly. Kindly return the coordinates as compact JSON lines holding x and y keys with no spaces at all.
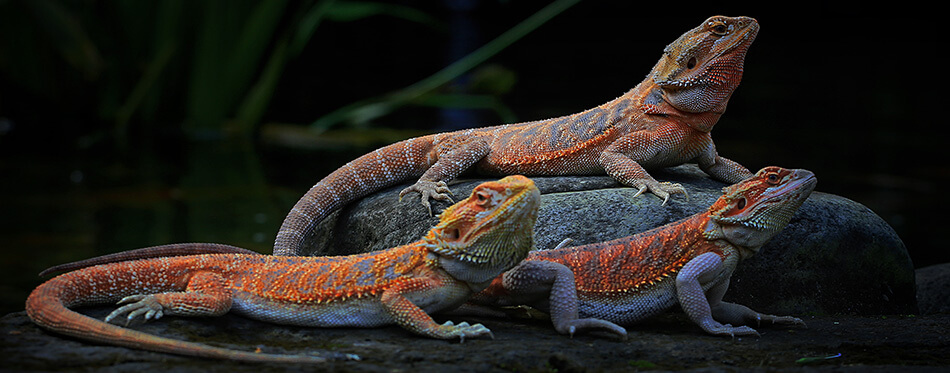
{"x":667,"y":343}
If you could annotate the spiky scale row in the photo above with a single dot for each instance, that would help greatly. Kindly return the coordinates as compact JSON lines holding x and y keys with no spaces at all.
{"x":400,"y":285}
{"x":664,"y":121}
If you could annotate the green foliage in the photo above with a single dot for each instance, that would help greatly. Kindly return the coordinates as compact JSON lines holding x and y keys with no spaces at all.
{"x":421,"y":93}
{"x":210,"y":66}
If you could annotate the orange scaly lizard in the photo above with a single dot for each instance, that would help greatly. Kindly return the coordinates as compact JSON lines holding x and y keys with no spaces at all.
{"x":475,"y":241}
{"x":664,"y":121}
{"x":688,"y":262}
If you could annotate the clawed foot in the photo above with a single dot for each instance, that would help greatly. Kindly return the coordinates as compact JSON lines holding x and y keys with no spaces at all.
{"x":662,"y":190}
{"x":591,"y":325}
{"x":464,"y":330}
{"x":780,"y":320}
{"x":139,"y":305}
{"x":729,"y":330}
{"x":437,"y":190}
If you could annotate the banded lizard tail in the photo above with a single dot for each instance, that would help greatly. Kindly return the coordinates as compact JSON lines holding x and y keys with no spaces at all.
{"x":475,"y":241}
{"x":688,"y":262}
{"x":664,"y":121}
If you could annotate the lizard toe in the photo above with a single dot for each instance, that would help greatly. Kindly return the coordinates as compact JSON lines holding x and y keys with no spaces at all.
{"x":138,"y":305}
{"x":592,"y":325}
{"x":785,"y":320}
{"x":465,"y":330}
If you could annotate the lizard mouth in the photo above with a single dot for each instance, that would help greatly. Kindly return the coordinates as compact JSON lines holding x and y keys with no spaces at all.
{"x":776,"y":210}
{"x":803,"y":185}
{"x":496,"y":233}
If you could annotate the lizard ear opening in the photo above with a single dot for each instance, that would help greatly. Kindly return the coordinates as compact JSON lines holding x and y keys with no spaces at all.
{"x":741,"y":203}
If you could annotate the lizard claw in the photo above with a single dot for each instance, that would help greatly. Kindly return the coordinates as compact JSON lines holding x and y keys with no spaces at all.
{"x":662,"y":190}
{"x":138,"y":305}
{"x":732,"y":331}
{"x":780,"y":320}
{"x":590,"y":325}
{"x":437,"y":190}
{"x":464,"y":330}
{"x":565,"y":243}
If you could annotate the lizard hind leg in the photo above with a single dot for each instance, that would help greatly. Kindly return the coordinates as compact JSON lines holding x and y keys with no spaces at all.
{"x":205,"y":295}
{"x":455,"y":155}
{"x":556,"y":282}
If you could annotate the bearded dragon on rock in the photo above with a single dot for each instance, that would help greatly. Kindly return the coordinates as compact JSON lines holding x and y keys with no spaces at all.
{"x":664,"y":121}
{"x":688,"y":262}
{"x":475,"y":240}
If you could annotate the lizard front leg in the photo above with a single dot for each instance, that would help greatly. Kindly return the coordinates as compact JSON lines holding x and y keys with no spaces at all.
{"x":410,"y":316}
{"x":452,"y":161}
{"x":722,"y":169}
{"x":205,"y":295}
{"x":737,"y":314}
{"x":693,"y":300}
{"x":622,"y":158}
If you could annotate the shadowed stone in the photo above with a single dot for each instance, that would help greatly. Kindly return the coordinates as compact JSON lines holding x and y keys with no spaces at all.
{"x":835,"y":256}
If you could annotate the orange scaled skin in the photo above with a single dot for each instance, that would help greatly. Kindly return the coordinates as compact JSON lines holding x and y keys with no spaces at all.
{"x":688,"y":262}
{"x":475,"y":240}
{"x":664,"y":121}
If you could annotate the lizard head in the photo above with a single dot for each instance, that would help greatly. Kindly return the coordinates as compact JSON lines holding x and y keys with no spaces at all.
{"x":490,"y":231}
{"x":699,"y":71}
{"x":754,"y":210}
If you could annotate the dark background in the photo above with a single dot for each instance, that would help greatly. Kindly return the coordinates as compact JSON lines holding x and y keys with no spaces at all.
{"x":125,"y":124}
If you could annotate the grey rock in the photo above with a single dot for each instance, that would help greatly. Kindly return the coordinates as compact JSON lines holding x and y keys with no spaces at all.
{"x":835,"y":256}
{"x":933,"y":289}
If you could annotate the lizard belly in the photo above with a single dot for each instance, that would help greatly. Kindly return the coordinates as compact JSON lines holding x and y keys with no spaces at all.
{"x":626,"y":308}
{"x":359,"y":312}
{"x":444,"y":298}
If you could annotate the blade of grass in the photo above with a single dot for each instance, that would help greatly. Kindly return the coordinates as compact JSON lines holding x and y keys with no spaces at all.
{"x":258,"y":97}
{"x":367,"y":110}
{"x":230,"y":45}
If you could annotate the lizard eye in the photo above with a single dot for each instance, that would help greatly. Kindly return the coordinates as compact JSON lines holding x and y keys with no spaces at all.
{"x":773,"y":179}
{"x":481,"y":197}
{"x":741,"y":204}
{"x":719,"y":29}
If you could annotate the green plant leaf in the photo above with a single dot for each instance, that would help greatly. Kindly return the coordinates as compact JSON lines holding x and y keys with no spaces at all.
{"x":361,"y":112}
{"x":348,"y":11}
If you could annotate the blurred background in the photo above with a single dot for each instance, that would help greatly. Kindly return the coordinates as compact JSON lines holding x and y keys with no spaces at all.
{"x":126,"y":124}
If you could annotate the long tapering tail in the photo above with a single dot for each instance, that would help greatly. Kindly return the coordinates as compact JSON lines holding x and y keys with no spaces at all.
{"x":384,"y":167}
{"x":48,"y":306}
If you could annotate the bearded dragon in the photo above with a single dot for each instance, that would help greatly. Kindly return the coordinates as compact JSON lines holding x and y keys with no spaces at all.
{"x":475,"y":241}
{"x":664,"y":121}
{"x":688,"y":262}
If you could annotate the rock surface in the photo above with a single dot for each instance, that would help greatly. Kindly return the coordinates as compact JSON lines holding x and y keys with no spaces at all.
{"x":933,"y":289}
{"x":835,"y":256}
